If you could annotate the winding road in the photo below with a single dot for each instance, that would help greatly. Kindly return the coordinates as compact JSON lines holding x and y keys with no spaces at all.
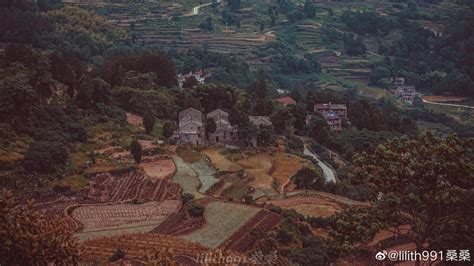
{"x":196,"y":8}
{"x":329,"y":173}
{"x":449,"y":104}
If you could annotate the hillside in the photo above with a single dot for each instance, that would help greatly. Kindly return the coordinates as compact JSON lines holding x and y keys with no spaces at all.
{"x":279,"y":132}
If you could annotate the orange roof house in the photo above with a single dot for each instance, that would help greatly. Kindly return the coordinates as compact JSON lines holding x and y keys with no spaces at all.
{"x":285,"y":100}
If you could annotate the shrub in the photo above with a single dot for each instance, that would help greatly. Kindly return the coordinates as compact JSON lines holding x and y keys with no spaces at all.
{"x":45,"y":157}
{"x":118,"y":254}
{"x":186,"y":197}
{"x":196,"y":210}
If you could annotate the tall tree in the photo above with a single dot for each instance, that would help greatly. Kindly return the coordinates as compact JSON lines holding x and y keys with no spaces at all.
{"x":149,"y":122}
{"x":136,"y":150}
{"x":425,"y":183}
{"x":168,"y":129}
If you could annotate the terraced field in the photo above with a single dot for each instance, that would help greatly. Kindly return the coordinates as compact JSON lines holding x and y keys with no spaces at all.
{"x":222,"y":220}
{"x":205,"y":173}
{"x":186,"y":177}
{"x":284,"y":167}
{"x":142,"y":247}
{"x":102,"y":217}
{"x":219,"y":161}
{"x":258,"y":166}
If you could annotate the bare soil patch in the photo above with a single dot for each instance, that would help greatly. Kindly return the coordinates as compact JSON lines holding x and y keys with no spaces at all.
{"x":135,"y":120}
{"x":159,"y":169}
{"x":442,"y":99}
{"x":284,"y":167}
{"x":314,"y":205}
{"x":219,"y":161}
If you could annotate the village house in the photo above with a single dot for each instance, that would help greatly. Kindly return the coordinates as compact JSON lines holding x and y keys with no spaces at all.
{"x":259,"y":121}
{"x":334,"y":121}
{"x":285,"y":100}
{"x":225,"y":133}
{"x":404,"y":92}
{"x":339,"y":109}
{"x":199,"y":75}
{"x":190,"y":127}
{"x":332,"y":113}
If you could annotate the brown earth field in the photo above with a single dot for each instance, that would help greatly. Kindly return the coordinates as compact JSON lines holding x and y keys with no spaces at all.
{"x":161,"y":168}
{"x":284,"y":167}
{"x":135,"y":121}
{"x":311,"y":205}
{"x":219,"y":161}
{"x":188,"y":155}
{"x":440,"y":98}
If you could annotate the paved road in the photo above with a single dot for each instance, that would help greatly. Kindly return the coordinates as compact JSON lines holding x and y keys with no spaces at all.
{"x":449,"y":104}
{"x":329,"y":174}
{"x":196,"y":8}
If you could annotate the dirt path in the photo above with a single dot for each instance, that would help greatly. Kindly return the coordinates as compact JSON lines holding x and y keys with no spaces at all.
{"x":449,"y":104}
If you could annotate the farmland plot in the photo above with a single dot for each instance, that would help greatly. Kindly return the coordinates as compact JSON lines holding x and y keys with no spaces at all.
{"x":311,"y":205}
{"x":242,"y":240}
{"x":219,"y":161}
{"x":258,"y":167}
{"x":205,"y":173}
{"x":139,"y":246}
{"x":186,"y":177}
{"x":285,"y":166}
{"x":161,"y":168}
{"x":102,"y":217}
{"x":222,"y":220}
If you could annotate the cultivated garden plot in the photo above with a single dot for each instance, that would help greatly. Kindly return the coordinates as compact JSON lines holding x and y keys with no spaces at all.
{"x":242,"y":240}
{"x":159,"y":168}
{"x":258,"y":167}
{"x":205,"y":173}
{"x":139,"y":245}
{"x":222,"y":220}
{"x":310,"y":205}
{"x":186,"y":177}
{"x":284,"y":167}
{"x":100,"y":217}
{"x":135,"y":120}
{"x":219,"y":161}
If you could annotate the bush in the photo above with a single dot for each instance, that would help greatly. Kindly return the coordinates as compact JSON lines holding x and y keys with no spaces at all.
{"x":118,"y":254}
{"x":46,"y":157}
{"x":186,"y":197}
{"x":196,"y":210}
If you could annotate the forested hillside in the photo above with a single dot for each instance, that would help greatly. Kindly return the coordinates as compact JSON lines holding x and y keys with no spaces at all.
{"x":90,"y":100}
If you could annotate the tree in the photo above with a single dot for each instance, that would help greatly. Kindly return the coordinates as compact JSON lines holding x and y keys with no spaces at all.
{"x":210,"y":126}
{"x":308,"y":178}
{"x":46,"y":157}
{"x":262,"y":26}
{"x":186,"y":197}
{"x":190,"y":82}
{"x":425,"y":183}
{"x":309,"y":9}
{"x":149,"y":122}
{"x":168,"y":129}
{"x":319,"y":129}
{"x":136,"y":150}
{"x":84,"y":94}
{"x":28,"y":238}
{"x":196,"y":210}
{"x":281,"y":119}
